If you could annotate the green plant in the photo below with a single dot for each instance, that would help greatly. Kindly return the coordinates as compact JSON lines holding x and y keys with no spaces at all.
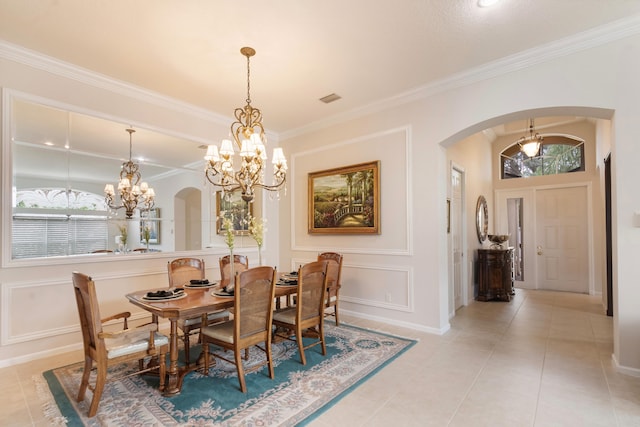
{"x":229,"y":238}
{"x":146,"y":234}
{"x":257,"y":229}
{"x":123,"y":234}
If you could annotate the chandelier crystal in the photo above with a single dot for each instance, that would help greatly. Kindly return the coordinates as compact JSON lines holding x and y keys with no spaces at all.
{"x":250,"y":139}
{"x":530,"y":145}
{"x":132,"y":195}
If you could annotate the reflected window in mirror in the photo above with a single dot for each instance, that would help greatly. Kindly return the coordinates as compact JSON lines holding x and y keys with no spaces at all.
{"x":56,"y":222}
{"x":55,"y":152}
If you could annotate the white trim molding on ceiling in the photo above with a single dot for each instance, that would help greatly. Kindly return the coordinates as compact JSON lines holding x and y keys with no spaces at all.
{"x":588,"y":39}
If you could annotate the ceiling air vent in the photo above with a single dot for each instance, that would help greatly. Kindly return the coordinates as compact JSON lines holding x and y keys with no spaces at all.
{"x":330,"y":98}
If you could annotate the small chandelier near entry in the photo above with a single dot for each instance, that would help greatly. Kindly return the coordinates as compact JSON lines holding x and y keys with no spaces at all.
{"x":250,"y":139}
{"x":530,"y":145}
{"x":131,"y":194}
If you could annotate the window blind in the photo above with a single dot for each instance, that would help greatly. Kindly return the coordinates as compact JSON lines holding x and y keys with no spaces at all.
{"x":37,"y":236}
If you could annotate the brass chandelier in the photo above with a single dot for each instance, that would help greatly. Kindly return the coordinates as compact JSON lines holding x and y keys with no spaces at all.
{"x":530,"y":145}
{"x":132,"y":195}
{"x":250,"y":139}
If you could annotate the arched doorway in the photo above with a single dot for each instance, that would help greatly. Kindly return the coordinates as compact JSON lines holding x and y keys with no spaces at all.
{"x":188,"y":219}
{"x":476,"y":158}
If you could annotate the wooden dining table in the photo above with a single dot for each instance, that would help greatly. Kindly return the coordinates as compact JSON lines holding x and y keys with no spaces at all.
{"x":196,"y":302}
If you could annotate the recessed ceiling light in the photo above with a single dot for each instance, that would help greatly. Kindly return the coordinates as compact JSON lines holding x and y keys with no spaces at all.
{"x":487,"y":3}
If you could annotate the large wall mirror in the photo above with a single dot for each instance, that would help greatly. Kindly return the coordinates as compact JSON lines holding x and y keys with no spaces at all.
{"x":60,"y":162}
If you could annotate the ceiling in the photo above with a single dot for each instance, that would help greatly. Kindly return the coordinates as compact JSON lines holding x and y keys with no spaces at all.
{"x":366,"y":52}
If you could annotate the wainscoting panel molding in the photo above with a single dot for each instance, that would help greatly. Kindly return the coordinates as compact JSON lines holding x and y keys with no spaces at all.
{"x":23,"y":302}
{"x":381,"y":286}
{"x":387,"y":287}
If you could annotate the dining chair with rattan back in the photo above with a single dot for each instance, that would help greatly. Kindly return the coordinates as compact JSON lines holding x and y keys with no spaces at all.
{"x":241,"y":263}
{"x":105,"y":349}
{"x":308,"y":312}
{"x":254,"y":295}
{"x":334,"y":274}
{"x":181,"y":271}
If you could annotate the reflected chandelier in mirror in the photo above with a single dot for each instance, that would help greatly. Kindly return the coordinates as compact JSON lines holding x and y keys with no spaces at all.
{"x":57,"y":162}
{"x":132,"y":195}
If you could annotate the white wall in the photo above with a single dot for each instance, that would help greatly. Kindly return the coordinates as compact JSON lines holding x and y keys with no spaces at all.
{"x":474,"y":154}
{"x":599,"y":82}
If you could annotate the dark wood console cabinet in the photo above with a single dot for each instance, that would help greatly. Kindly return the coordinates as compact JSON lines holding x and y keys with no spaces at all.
{"x":495,"y":279}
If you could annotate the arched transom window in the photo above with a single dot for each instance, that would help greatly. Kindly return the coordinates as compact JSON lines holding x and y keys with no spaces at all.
{"x":557,"y":154}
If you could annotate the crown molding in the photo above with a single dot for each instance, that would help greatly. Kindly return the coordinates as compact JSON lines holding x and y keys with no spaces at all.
{"x":559,"y":48}
{"x":60,"y":68}
{"x":598,"y":36}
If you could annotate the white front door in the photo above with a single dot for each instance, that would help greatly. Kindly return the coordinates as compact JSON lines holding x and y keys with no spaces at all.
{"x":561,"y":239}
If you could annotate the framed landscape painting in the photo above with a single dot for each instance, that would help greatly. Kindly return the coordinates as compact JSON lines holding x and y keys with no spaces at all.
{"x":345,"y":200}
{"x":231,"y":205}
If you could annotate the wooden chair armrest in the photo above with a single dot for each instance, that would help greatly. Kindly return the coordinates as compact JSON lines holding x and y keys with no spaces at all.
{"x":151,"y":327}
{"x":114,"y":334}
{"x":124,"y":315}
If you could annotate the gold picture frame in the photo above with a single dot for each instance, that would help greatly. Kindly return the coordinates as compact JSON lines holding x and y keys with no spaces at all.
{"x":345,"y":200}
{"x":232,"y":206}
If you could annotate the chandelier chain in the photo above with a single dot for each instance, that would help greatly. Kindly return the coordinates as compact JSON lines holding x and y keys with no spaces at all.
{"x":131,"y":131}
{"x":248,"y":79}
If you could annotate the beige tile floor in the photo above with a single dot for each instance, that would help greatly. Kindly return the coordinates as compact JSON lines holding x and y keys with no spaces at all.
{"x":543,"y":359}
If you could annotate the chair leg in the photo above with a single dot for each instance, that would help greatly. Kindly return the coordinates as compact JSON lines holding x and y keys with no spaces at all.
{"x":162,"y":369}
{"x":300,"y":345}
{"x":88,"y":363}
{"x":321,"y":335}
{"x":269,"y":359}
{"x":238,"y":357}
{"x":205,"y":350}
{"x":101,"y":379}
{"x":185,"y":339}
{"x":335,"y":308}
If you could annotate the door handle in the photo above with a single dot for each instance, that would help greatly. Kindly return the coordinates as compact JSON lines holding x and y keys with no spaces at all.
{"x":539,"y":250}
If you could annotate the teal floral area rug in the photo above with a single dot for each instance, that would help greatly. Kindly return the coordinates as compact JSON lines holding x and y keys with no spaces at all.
{"x":296,"y":396}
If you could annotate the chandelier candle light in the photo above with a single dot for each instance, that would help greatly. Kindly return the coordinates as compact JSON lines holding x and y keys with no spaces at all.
{"x":530,"y":145}
{"x":250,"y":139}
{"x":132,"y":195}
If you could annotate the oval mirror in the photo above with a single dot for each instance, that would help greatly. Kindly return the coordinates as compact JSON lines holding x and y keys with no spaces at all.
{"x":482,"y":219}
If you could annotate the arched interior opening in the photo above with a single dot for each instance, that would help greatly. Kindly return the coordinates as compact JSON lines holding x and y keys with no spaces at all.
{"x":485,"y":142}
{"x":188,"y":219}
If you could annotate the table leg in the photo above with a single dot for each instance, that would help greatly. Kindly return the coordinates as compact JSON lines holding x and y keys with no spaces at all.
{"x":173,"y":386}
